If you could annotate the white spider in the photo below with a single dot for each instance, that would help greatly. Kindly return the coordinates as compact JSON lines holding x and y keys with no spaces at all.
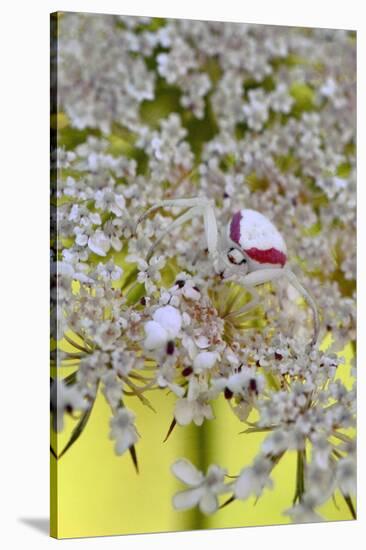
{"x":250,"y":250}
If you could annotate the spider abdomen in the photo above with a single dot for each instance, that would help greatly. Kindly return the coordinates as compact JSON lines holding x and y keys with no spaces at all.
{"x":258,"y":238}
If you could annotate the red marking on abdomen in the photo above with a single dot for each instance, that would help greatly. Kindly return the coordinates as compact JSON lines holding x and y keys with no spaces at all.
{"x":269,"y":256}
{"x":235,"y":228}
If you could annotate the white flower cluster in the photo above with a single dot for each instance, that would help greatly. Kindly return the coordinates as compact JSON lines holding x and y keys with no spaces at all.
{"x":248,"y":116}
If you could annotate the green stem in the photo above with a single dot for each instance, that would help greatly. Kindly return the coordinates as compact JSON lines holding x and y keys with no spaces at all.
{"x":300,"y":475}
{"x":342,"y":437}
{"x":75,"y":344}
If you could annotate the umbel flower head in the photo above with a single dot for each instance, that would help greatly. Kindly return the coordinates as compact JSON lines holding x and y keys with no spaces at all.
{"x":148,"y":302}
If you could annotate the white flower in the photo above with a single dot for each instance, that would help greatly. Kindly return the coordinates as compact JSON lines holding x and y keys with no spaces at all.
{"x":165,"y":326}
{"x":204,"y":360}
{"x":113,"y":230}
{"x":195,"y":407}
{"x":123,"y":430}
{"x":109,"y":271}
{"x":280,"y":99}
{"x":187,"y":411}
{"x":156,"y":336}
{"x":244,"y":386}
{"x":109,"y":201}
{"x":202,"y":342}
{"x":170,"y":319}
{"x":346,"y":475}
{"x":303,"y":512}
{"x":186,"y":287}
{"x":204,"y":489}
{"x":165,"y":379}
{"x":91,"y":368}
{"x":254,"y":479}
{"x":99,"y":243}
{"x":122,"y":362}
{"x":246,"y":383}
{"x":65,"y":398}
{"x":276,"y":442}
{"x":148,"y":271}
{"x":68,"y":271}
{"x":321,"y":450}
{"x":190,"y":292}
{"x":320,"y":483}
{"x":106,"y":335}
{"x":329,"y":88}
{"x":112,"y":389}
{"x":256,"y":110}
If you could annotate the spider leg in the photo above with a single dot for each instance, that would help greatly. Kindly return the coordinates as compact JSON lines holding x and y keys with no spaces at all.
{"x":197,"y":206}
{"x":255,"y":278}
{"x":261,"y":276}
{"x":188,"y":215}
{"x":180,"y":203}
{"x":211,"y":230}
{"x":291,"y":277}
{"x":250,"y":281}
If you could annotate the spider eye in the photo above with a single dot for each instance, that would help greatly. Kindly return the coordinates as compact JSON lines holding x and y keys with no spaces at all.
{"x":236,"y":257}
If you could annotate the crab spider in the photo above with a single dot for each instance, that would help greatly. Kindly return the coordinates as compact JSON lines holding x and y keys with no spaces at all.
{"x":250,"y":250}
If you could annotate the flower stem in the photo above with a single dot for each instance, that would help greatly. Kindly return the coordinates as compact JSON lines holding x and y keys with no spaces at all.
{"x":75,"y":344}
{"x":300,"y":475}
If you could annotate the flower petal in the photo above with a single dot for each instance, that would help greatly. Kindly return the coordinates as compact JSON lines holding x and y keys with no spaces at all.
{"x":99,"y":244}
{"x":204,"y":360}
{"x":184,"y":411}
{"x":187,"y":499}
{"x":208,"y":503}
{"x":169,"y":318}
{"x":156,"y":336}
{"x":178,"y":390}
{"x":244,"y":484}
{"x":186,"y":472}
{"x":116,"y":243}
